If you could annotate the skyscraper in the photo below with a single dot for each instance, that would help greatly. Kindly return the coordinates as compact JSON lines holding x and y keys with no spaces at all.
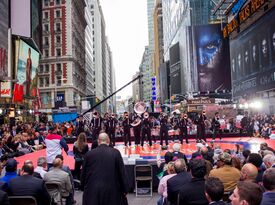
{"x":62,"y":73}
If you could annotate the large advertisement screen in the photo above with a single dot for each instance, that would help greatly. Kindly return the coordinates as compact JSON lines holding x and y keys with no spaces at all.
{"x":253,"y":57}
{"x":213,"y":61}
{"x":4,"y":25}
{"x":175,"y":69}
{"x":28,"y":59}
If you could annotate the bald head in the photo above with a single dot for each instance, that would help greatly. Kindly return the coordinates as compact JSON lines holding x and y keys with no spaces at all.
{"x":249,"y":172}
{"x":57,"y":163}
{"x":103,"y":138}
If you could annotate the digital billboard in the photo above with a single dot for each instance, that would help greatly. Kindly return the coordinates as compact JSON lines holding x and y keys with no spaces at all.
{"x":253,"y":57}
{"x":4,"y":26}
{"x":175,"y":69}
{"x":213,"y":62}
{"x":27,"y":64}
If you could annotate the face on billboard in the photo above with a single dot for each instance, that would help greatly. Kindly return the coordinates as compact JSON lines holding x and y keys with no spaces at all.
{"x":264,"y":47}
{"x":211,"y":59}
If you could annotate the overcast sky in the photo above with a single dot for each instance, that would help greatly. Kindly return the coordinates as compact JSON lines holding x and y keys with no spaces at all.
{"x":127,"y":31}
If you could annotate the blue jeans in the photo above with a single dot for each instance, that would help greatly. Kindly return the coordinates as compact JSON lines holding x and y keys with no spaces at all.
{"x":160,"y":201}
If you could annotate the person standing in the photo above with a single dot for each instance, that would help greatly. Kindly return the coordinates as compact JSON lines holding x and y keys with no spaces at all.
{"x":54,"y":144}
{"x":95,"y":125}
{"x":126,"y":129}
{"x":146,"y":129}
{"x":163,"y":129}
{"x":111,"y":125}
{"x":216,"y":125}
{"x":183,"y":128}
{"x":103,"y":176}
{"x":201,"y":126}
{"x":80,"y":149}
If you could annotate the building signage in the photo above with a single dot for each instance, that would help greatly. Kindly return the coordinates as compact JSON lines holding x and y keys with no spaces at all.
{"x":154,"y":94}
{"x":201,"y":101}
{"x":237,"y":6}
{"x":248,"y":10}
{"x":65,"y":110}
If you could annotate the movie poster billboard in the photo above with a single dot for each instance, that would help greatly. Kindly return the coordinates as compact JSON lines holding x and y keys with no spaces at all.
{"x":213,"y":61}
{"x":4,"y":26}
{"x":28,"y":59}
{"x":253,"y":57}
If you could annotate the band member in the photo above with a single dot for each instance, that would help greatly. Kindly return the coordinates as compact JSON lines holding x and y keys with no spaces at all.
{"x":183,"y":128}
{"x":126,"y":123}
{"x":163,"y":129}
{"x":105,"y":122}
{"x":216,"y":126}
{"x":137,"y":128}
{"x":200,"y":121}
{"x":111,"y":128}
{"x":80,"y":124}
{"x":95,"y":125}
{"x":146,"y":129}
{"x":175,"y":125}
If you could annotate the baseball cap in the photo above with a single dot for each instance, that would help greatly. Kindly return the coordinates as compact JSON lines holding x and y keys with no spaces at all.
{"x":11,"y":163}
{"x":225,"y":157}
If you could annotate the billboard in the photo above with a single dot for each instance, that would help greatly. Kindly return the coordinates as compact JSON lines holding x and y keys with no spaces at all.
{"x":175,"y":69}
{"x":27,"y":64}
{"x":253,"y":57}
{"x":213,"y":61}
{"x":4,"y":26}
{"x":21,"y":17}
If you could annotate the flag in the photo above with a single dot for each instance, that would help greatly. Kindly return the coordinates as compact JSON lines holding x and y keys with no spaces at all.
{"x":18,"y":93}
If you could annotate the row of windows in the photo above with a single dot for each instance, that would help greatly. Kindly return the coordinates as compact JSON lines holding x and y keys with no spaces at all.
{"x":47,"y":2}
{"x":44,"y":82}
{"x":46,"y":40}
{"x":57,"y":14}
{"x":46,"y":68}
{"x":57,"y":26}
{"x":57,"y":52}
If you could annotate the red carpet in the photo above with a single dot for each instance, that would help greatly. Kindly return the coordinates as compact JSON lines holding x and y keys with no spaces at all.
{"x":151,"y":152}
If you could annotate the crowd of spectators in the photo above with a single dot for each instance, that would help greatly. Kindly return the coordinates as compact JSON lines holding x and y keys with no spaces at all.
{"x":216,"y":176}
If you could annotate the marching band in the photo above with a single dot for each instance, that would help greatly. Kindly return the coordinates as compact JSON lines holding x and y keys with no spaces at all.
{"x":142,"y":126}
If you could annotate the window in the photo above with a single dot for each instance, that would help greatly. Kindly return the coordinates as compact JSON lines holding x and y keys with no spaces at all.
{"x":46,"y":41}
{"x":58,"y":39}
{"x":47,"y":68}
{"x":47,"y":81}
{"x":57,"y":27}
{"x":57,"y":2}
{"x":41,"y":82}
{"x":46,"y":15}
{"x":58,"y":80}
{"x":41,"y":68}
{"x":57,"y":14}
{"x":46,"y":53}
{"x":46,"y":2}
{"x":58,"y":67}
{"x":46,"y":27}
{"x":58,"y":52}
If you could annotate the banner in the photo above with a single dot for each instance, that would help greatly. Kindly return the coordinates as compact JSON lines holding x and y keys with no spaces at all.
{"x":28,"y":59}
{"x":252,"y":56}
{"x":213,"y":61}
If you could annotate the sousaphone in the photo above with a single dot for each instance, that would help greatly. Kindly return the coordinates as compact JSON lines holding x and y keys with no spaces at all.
{"x":139,"y":108}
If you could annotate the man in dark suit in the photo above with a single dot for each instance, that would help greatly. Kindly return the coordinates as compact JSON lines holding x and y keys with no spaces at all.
{"x":4,"y":200}
{"x":103,"y":175}
{"x":214,"y":191}
{"x":27,"y":185}
{"x":175,"y":183}
{"x":193,"y":192}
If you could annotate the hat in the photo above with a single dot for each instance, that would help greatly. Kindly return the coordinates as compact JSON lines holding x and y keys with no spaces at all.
{"x":11,"y":163}
{"x":225,"y":157}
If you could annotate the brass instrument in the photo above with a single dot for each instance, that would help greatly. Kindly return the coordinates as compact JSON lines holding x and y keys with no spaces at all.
{"x":146,"y":115}
{"x":140,"y":107}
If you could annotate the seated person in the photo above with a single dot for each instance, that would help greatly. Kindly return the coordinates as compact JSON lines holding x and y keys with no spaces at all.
{"x":28,"y":185}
